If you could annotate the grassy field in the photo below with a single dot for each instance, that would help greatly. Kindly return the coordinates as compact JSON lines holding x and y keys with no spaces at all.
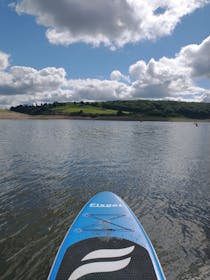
{"x":84,"y":109}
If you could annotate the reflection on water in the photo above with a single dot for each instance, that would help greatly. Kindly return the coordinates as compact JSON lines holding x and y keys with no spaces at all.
{"x":49,"y":169}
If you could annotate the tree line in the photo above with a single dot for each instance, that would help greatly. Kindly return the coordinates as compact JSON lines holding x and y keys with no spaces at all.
{"x":131,"y":107}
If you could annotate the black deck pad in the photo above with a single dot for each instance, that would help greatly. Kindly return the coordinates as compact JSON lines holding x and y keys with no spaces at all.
{"x":128,"y":261}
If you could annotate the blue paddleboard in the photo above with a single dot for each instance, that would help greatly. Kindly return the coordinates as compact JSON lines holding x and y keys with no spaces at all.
{"x":106,"y":241}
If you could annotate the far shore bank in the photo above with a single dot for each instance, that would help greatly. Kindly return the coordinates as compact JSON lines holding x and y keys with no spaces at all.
{"x":9,"y":115}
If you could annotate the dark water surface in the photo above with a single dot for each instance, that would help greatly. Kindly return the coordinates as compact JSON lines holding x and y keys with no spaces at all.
{"x":49,"y":169}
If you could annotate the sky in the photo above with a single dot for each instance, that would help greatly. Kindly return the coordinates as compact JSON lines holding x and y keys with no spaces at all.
{"x":96,"y":50}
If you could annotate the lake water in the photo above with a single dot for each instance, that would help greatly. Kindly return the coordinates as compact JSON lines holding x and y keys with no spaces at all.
{"x":49,"y":169}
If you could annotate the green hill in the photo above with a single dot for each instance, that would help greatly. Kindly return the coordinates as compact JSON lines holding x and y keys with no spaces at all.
{"x":142,"y":109}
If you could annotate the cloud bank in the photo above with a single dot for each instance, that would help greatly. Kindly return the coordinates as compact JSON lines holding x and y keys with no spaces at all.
{"x":112,"y":23}
{"x":176,"y":78}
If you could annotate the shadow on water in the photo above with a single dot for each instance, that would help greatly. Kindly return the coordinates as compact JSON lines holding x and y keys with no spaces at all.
{"x":49,"y":169}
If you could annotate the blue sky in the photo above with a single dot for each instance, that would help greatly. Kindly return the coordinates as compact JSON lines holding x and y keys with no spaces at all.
{"x":96,"y":50}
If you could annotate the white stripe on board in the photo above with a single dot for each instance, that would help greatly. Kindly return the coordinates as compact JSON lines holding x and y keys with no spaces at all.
{"x":108,"y":253}
{"x":98,"y":267}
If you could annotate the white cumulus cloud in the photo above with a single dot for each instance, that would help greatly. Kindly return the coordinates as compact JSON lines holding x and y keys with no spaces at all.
{"x":112,"y":23}
{"x":197,"y":57}
{"x":173,"y":77}
{"x":116,"y":75}
{"x":19,"y":84}
{"x":4,"y":60}
{"x":27,"y":80}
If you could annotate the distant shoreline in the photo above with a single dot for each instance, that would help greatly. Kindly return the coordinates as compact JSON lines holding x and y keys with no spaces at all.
{"x":9,"y":115}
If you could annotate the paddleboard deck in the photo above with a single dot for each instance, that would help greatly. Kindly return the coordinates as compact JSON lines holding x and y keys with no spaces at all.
{"x":106,"y":241}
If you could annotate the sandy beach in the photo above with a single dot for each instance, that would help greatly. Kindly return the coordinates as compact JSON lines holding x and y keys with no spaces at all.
{"x":7,"y":114}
